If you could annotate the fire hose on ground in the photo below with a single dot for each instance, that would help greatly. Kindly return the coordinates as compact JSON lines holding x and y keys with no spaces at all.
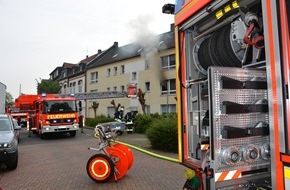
{"x":147,"y":152}
{"x":114,"y":159}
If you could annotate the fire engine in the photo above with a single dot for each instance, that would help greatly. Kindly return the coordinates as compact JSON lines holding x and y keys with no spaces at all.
{"x":49,"y":113}
{"x":21,"y":109}
{"x":232,"y":62}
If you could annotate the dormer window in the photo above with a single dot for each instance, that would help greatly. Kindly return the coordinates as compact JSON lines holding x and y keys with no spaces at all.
{"x":64,"y":74}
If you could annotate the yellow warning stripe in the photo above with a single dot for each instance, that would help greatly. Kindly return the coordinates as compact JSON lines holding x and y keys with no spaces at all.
{"x":287,"y":172}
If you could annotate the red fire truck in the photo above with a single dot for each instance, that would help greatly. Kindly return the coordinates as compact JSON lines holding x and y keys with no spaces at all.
{"x":233,"y":60}
{"x":22,"y":109}
{"x":49,"y":113}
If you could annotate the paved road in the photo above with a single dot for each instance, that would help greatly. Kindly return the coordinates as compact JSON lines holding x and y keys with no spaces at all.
{"x":59,"y":162}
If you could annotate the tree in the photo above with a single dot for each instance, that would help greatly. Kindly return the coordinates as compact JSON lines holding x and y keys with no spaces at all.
{"x":115,"y":106}
{"x":95,"y":106}
{"x":141,"y":97}
{"x":9,"y":99}
{"x":48,"y":86}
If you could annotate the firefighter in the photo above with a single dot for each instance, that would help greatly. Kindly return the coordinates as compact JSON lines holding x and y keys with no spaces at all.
{"x":119,"y":115}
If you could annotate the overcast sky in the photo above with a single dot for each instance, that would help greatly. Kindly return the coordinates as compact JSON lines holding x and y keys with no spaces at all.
{"x":36,"y":36}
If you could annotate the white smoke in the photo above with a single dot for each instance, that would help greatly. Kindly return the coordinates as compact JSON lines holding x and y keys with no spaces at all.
{"x":143,"y":34}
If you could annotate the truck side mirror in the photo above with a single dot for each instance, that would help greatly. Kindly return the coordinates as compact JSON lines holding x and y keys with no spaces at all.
{"x":80,"y":106}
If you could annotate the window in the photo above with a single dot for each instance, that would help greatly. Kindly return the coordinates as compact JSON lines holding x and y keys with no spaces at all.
{"x":74,"y":87}
{"x":75,"y":69}
{"x":94,"y":77}
{"x":168,"y":108}
{"x":80,"y":86}
{"x":70,"y":88}
{"x":168,"y":62}
{"x":147,"y":86}
{"x":134,"y":76}
{"x":168,"y":86}
{"x":94,"y":90}
{"x":64,"y":74}
{"x":64,"y":89}
{"x":115,"y":88}
{"x":111,"y":111}
{"x":122,"y":88}
{"x":115,"y":70}
{"x":108,"y":72}
{"x":146,"y":64}
{"x":122,"y":69}
{"x":55,"y":74}
{"x":147,"y":108}
{"x":108,"y":89}
{"x":59,"y":106}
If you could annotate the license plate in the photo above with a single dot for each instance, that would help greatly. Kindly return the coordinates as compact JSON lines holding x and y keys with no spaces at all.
{"x":62,"y":127}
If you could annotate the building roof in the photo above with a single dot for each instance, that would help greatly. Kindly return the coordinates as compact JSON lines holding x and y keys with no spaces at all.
{"x":57,"y":68}
{"x":88,"y":59}
{"x":166,"y":41}
{"x":67,"y":65}
{"x":115,"y":53}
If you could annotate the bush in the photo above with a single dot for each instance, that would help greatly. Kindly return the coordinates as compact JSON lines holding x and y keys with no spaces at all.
{"x":92,"y":122}
{"x":142,"y":122}
{"x":162,"y":133}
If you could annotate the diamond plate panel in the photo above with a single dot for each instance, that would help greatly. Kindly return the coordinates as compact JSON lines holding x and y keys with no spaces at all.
{"x":235,"y":147}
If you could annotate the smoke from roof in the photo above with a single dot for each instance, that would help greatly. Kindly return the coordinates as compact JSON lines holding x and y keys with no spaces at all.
{"x":143,"y":35}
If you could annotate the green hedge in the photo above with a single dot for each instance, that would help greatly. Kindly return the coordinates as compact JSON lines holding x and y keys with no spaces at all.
{"x":92,"y":122}
{"x":142,"y":122}
{"x":162,"y":133}
{"x":161,"y":130}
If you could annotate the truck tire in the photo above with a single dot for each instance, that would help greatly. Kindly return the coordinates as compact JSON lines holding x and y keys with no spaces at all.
{"x":100,"y":168}
{"x":73,"y":133}
{"x":12,"y":164}
{"x":41,"y":135}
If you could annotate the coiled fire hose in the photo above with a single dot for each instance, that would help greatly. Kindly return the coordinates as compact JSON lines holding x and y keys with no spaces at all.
{"x":146,"y":151}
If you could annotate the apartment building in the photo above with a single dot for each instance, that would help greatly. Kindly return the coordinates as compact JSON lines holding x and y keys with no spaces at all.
{"x":71,"y":78}
{"x":106,"y":76}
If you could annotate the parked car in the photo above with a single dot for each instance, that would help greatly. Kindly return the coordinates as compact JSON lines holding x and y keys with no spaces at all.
{"x":114,"y":126}
{"x":8,"y":142}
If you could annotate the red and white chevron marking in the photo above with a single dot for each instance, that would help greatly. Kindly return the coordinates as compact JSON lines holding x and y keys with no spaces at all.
{"x":228,"y":175}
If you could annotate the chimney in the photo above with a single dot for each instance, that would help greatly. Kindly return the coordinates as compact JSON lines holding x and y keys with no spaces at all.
{"x":172,"y":27}
{"x":115,"y":44}
{"x":99,"y":51}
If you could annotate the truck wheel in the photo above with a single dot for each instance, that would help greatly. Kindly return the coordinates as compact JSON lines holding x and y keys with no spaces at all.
{"x":12,"y":164}
{"x":41,"y":135}
{"x":100,"y":168}
{"x":73,"y":133}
